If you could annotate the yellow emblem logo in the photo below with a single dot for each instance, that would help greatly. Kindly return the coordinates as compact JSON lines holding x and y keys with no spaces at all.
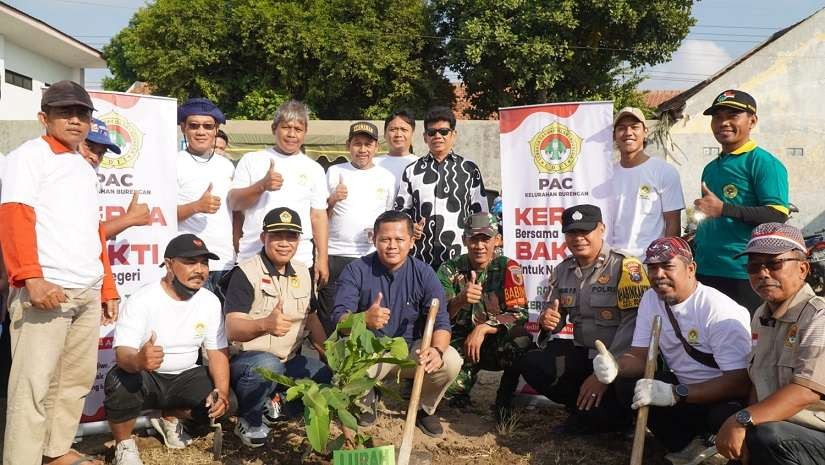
{"x":693,"y":336}
{"x":567,"y":300}
{"x":730,"y":191}
{"x":200,"y":329}
{"x":125,"y":135}
{"x":607,"y":315}
{"x":286,"y":217}
{"x":603,"y":279}
{"x":555,"y":148}
{"x":790,"y":338}
{"x":644,"y":191}
{"x":294,"y":281}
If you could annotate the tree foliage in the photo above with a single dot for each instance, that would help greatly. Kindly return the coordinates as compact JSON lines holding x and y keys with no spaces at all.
{"x":517,"y":52}
{"x":349,"y":358}
{"x":344,"y":58}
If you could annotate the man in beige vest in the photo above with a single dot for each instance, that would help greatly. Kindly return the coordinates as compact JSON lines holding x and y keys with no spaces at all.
{"x":785,"y":421}
{"x":267,"y":315}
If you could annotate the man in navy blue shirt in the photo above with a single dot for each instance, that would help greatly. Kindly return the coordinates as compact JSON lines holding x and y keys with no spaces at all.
{"x":395,"y":291}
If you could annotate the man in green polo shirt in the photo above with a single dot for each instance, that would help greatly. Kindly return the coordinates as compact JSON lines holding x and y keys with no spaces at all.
{"x":743,"y":187}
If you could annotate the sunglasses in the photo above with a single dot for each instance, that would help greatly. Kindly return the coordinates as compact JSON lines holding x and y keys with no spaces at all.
{"x":196,"y":126}
{"x":771,"y":265}
{"x":443,"y":131}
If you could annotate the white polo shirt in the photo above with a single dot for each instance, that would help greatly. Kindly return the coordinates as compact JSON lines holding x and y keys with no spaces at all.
{"x":710,"y":321}
{"x":194,"y":176}
{"x":181,"y":326}
{"x":370,"y":192}
{"x":395,"y":165}
{"x":61,"y":188}
{"x":304,"y":188}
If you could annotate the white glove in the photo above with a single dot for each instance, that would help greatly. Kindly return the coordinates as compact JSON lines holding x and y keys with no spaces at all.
{"x":653,"y":392}
{"x":605,"y":367}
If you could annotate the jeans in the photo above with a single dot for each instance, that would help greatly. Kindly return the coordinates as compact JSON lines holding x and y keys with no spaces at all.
{"x":785,"y":443}
{"x":254,"y":392}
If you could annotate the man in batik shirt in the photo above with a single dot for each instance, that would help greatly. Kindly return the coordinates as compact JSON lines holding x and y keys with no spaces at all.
{"x":440,"y":191}
{"x":488,"y":310}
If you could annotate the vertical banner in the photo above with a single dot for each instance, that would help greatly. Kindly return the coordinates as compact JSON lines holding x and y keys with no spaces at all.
{"x":145,"y":129}
{"x":553,"y":156}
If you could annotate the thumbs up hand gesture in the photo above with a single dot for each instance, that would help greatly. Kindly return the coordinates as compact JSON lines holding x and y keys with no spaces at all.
{"x":709,"y":203}
{"x":550,"y":317}
{"x":605,"y":367}
{"x":208,"y":203}
{"x":150,"y":355}
{"x":272,"y":180}
{"x":139,"y":212}
{"x":340,"y":192}
{"x":418,"y":229}
{"x":472,"y":293}
{"x":276,"y":322}
{"x":377,"y":316}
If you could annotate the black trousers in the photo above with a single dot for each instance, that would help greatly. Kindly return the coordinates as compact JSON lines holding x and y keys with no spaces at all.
{"x":128,"y":394}
{"x":326,"y":294}
{"x":739,"y":290}
{"x":785,"y":443}
{"x":558,"y":371}
{"x":676,"y":426}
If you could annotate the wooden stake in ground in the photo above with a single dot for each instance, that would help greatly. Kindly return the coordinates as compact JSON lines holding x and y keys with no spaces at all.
{"x":412,"y":410}
{"x":638,"y":452}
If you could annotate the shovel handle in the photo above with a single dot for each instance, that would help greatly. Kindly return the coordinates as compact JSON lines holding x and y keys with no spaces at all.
{"x":412,"y":410}
{"x":637,"y":453}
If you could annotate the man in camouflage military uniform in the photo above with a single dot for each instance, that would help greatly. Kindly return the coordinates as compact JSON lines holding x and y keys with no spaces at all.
{"x":488,"y":310}
{"x":598,"y":290}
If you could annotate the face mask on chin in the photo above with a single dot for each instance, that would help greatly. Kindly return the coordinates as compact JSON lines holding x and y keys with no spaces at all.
{"x":182,"y":291}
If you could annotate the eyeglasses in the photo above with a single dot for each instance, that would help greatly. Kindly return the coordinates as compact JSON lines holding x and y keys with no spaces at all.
{"x":196,"y":126}
{"x":771,"y":265}
{"x":443,"y":131}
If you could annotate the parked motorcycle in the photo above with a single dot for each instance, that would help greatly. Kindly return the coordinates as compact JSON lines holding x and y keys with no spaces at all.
{"x":816,"y":257}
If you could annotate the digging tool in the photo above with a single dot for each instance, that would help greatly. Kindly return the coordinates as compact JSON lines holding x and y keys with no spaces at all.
{"x":637,"y":454}
{"x":217,"y":438}
{"x":412,"y":410}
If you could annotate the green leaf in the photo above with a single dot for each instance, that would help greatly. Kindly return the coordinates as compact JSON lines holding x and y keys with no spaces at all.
{"x":335,"y":397}
{"x":317,"y":427}
{"x":347,"y":419}
{"x":337,"y":443}
{"x":399,"y":348}
{"x":283,"y":380}
{"x":389,"y":392}
{"x":359,"y":387}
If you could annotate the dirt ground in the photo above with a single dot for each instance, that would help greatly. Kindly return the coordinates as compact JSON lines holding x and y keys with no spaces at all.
{"x":470,"y":437}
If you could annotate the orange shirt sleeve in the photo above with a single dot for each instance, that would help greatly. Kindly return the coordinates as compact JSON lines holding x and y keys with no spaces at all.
{"x":19,"y":242}
{"x":108,"y":290}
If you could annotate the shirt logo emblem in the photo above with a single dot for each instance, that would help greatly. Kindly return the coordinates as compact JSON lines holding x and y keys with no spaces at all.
{"x":567,"y":300}
{"x":294,"y":281}
{"x":644,"y":191}
{"x":693,"y":336}
{"x":603,"y":279}
{"x":790,"y":338}
{"x":730,"y":191}
{"x":607,"y":315}
{"x":200,"y":329}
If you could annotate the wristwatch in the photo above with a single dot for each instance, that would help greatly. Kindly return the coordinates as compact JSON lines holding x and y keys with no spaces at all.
{"x":681,"y":391}
{"x":743,"y":417}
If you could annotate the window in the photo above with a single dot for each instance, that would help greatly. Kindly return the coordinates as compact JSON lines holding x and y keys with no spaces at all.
{"x":794,"y":151}
{"x":710,"y":151}
{"x":18,"y":80}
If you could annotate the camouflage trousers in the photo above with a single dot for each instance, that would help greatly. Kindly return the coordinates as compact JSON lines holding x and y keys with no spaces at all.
{"x":499,"y":352}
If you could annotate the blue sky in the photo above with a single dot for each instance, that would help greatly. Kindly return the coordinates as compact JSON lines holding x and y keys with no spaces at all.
{"x":725,"y":30}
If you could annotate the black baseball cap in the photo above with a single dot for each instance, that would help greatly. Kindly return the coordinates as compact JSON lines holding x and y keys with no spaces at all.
{"x":66,"y":94}
{"x":363,"y":127}
{"x":187,"y":246}
{"x":282,"y":219}
{"x":583,"y":217}
{"x":732,"y":98}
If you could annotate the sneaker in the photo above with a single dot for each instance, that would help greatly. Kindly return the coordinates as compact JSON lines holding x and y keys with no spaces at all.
{"x":694,"y":453}
{"x":251,"y":436}
{"x":172,"y":432}
{"x":370,"y":401}
{"x":126,"y":453}
{"x":428,"y":424}
{"x":272,"y":411}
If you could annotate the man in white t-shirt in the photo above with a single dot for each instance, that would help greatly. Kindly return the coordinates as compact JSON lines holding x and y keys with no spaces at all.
{"x":359,"y":191}
{"x":157,"y":340}
{"x":283,"y":176}
{"x":203,"y":182}
{"x":398,"y":130}
{"x":706,"y":351}
{"x":647,"y":192}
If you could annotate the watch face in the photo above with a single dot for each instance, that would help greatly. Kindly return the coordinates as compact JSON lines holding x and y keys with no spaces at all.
{"x":743,"y":417}
{"x":682,"y":391}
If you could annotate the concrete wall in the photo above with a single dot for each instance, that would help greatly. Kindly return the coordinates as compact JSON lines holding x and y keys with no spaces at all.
{"x":787,"y":79}
{"x":17,"y":103}
{"x":14,"y":133}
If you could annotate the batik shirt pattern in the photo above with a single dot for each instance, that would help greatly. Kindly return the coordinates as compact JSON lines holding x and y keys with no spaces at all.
{"x":446,"y":194}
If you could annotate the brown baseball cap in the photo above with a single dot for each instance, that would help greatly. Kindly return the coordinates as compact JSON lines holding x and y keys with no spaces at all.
{"x":66,"y":94}
{"x":363,"y":127}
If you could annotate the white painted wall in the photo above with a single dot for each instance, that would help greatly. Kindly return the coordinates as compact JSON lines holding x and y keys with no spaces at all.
{"x":17,"y":103}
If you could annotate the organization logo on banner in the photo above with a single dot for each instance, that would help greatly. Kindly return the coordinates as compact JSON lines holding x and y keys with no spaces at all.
{"x":555,"y":148}
{"x":125,"y":135}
